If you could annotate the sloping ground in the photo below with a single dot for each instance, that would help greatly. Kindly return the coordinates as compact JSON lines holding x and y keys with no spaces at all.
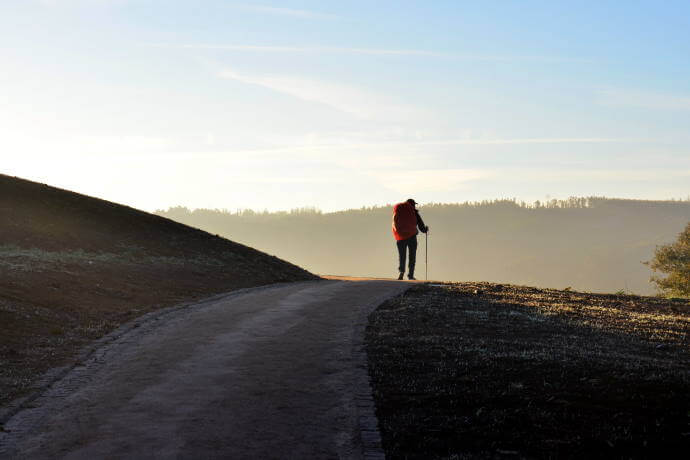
{"x":478,"y":370}
{"x":74,"y":267}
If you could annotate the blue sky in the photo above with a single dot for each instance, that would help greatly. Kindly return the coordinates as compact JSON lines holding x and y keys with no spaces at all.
{"x":276,"y":105}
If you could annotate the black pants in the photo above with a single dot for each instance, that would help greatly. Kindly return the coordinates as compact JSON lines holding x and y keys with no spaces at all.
{"x":402,"y":249}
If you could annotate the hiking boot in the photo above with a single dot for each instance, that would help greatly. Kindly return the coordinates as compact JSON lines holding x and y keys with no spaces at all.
{"x":400,"y":276}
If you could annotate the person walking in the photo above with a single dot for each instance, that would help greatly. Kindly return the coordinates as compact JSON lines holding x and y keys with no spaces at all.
{"x":406,"y":220}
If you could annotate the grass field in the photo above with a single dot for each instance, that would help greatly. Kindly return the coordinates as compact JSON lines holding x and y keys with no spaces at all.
{"x":478,"y":370}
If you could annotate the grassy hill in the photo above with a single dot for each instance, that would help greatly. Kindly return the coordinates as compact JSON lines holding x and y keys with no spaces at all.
{"x":591,"y":244}
{"x":73,"y":268}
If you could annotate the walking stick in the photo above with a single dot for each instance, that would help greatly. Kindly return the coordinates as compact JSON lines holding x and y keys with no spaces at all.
{"x":426,"y":256}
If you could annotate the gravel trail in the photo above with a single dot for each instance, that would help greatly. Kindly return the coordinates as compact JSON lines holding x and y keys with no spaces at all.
{"x":276,"y":372}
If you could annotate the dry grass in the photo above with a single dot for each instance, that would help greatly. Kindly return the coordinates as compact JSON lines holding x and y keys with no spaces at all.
{"x":475,"y":370}
{"x":35,"y":259}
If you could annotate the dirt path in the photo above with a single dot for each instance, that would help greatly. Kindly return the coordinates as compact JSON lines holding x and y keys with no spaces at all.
{"x":269,"y":373}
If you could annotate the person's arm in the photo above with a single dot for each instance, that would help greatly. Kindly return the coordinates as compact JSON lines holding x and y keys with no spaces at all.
{"x":420,"y":223}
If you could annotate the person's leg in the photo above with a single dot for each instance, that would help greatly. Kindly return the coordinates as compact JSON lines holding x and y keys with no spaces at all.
{"x":412,"y":243}
{"x":401,"y":257}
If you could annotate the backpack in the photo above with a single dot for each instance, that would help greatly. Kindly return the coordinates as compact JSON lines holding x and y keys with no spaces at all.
{"x":404,"y":221}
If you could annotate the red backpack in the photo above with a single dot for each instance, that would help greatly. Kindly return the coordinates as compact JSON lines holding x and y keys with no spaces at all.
{"x":404,"y":221}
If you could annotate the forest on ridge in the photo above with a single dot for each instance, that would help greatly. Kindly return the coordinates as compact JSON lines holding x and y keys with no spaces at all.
{"x":593,"y":244}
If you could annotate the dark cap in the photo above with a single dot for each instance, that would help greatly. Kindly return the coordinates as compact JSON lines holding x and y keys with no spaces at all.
{"x":412,"y":202}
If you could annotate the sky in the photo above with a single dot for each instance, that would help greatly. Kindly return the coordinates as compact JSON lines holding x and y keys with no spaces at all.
{"x":336,"y":105}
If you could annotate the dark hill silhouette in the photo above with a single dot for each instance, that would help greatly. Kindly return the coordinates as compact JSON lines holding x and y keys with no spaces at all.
{"x":593,"y":244}
{"x":73,"y":267}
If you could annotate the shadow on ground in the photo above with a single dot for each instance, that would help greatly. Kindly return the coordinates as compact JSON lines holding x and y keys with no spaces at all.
{"x":475,"y":370}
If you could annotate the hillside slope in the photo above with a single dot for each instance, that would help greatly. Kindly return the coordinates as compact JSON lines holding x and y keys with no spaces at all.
{"x":74,"y":267}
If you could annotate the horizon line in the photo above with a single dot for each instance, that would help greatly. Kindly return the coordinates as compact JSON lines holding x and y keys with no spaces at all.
{"x":522,"y":203}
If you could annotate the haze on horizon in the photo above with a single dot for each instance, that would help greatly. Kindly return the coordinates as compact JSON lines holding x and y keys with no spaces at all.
{"x":335,"y":105}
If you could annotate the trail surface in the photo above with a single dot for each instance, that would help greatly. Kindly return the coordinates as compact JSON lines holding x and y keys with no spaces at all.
{"x":273,"y":372}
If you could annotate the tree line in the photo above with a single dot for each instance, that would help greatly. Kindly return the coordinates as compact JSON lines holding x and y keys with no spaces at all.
{"x":595,"y":244}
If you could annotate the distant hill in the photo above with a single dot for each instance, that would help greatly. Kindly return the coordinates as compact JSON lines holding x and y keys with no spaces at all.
{"x":74,"y":267}
{"x":593,"y":244}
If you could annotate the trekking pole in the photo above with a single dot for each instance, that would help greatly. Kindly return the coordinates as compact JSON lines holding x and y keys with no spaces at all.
{"x":426,"y":256}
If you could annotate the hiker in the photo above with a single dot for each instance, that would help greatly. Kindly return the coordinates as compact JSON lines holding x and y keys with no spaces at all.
{"x":406,"y":219}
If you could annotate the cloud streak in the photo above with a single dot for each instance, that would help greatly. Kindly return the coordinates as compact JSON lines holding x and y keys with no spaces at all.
{"x":644,"y":100}
{"x":290,"y":12}
{"x":64,"y":3}
{"x":354,"y":101}
{"x":310,"y":49}
{"x":383,"y":159}
{"x":594,"y":175}
{"x":442,"y":142}
{"x":428,"y":180}
{"x":367,"y":51}
{"x":544,"y":140}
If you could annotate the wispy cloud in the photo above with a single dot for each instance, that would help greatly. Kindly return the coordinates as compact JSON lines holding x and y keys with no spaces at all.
{"x":63,"y":3}
{"x":428,"y":180}
{"x":523,"y":58}
{"x":367,"y":51}
{"x":279,"y":11}
{"x":534,"y":140}
{"x":307,"y":49}
{"x":355,"y":101}
{"x":376,"y":154}
{"x":644,"y":99}
{"x":594,"y":175}
{"x":379,"y":154}
{"x":486,"y":141}
{"x":448,"y":180}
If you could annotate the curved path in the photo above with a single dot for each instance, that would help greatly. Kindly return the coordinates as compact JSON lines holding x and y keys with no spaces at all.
{"x":274,"y":372}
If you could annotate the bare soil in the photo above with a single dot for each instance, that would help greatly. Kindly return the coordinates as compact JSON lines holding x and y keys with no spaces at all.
{"x":479,"y":370}
{"x":73,"y":268}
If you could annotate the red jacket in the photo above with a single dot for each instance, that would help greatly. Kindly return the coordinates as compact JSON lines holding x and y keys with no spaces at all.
{"x":404,"y":221}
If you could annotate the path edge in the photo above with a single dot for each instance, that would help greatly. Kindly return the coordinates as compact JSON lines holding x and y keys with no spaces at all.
{"x":367,"y":422}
